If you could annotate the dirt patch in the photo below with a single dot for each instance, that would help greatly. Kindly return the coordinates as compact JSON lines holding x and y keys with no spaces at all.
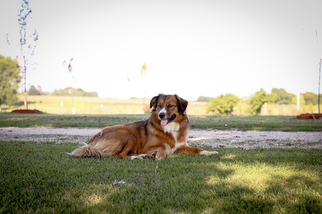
{"x":27,"y":111}
{"x":309,"y":116}
{"x":213,"y":138}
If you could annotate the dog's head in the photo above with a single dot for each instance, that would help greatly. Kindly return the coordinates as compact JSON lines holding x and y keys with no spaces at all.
{"x":168,"y":108}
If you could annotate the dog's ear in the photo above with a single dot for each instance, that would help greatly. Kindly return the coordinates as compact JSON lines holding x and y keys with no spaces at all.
{"x":154,"y":102}
{"x":182,"y":104}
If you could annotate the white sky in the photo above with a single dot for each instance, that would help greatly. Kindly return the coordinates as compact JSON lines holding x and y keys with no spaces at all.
{"x":191,"y":48}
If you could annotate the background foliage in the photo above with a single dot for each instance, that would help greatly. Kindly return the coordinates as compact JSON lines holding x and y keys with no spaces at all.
{"x":76,"y":92}
{"x":33,"y":91}
{"x":310,"y":98}
{"x":281,"y":96}
{"x":280,"y":102}
{"x":258,"y":100}
{"x":204,"y":99}
{"x":9,"y":80}
{"x":223,"y":104}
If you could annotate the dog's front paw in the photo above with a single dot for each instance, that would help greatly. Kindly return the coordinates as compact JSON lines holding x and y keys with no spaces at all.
{"x":142,"y":156}
{"x":146,"y":156}
{"x":207,"y":153}
{"x":134,"y":157}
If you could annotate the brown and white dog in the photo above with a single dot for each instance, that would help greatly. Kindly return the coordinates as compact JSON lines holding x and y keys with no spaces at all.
{"x":164,"y":133}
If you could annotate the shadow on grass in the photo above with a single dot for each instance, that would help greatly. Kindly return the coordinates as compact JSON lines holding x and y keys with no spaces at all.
{"x":42,"y":178}
{"x":298,"y":188}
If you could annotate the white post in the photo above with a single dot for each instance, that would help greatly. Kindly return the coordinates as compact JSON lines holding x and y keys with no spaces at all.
{"x":298,"y":101}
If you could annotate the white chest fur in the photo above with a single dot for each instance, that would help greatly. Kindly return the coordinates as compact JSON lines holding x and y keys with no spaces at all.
{"x":172,"y":128}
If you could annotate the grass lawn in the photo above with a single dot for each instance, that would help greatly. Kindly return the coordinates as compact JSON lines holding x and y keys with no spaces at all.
{"x":41,"y":178}
{"x":243,"y":123}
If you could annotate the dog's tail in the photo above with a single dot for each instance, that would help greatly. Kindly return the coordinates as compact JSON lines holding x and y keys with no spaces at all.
{"x":86,"y":151}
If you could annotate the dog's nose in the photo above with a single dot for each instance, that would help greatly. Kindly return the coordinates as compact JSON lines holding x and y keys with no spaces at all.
{"x":162,"y":115}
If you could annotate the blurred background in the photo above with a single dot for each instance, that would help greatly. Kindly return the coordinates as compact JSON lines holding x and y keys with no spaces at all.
{"x":96,"y":55}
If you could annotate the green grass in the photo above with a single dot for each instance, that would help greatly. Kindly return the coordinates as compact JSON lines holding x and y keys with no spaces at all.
{"x":41,"y":178}
{"x":243,"y":123}
{"x":258,"y":123}
{"x":52,"y":120}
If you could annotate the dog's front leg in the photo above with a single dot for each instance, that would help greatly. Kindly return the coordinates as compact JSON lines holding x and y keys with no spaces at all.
{"x":157,"y":151}
{"x":160,"y":153}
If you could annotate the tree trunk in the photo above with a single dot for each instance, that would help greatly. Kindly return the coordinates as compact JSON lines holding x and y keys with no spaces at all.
{"x":319,"y":86}
{"x":26,"y":103}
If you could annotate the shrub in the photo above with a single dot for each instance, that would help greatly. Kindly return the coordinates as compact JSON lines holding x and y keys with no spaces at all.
{"x":223,"y":104}
{"x":204,"y":99}
{"x":257,"y":101}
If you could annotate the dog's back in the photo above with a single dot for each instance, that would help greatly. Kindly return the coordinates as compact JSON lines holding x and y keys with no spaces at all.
{"x":116,"y":141}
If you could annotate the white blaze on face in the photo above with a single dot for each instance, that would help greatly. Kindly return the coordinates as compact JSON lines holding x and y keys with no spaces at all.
{"x":163,"y":111}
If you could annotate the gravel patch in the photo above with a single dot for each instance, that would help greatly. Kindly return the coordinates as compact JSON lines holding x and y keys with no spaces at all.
{"x":210,"y":137}
{"x":56,"y":135}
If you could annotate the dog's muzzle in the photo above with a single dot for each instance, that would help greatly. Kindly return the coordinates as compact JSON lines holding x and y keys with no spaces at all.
{"x":164,"y":120}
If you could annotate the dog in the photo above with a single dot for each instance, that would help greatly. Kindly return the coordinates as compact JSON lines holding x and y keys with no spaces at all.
{"x":162,"y":134}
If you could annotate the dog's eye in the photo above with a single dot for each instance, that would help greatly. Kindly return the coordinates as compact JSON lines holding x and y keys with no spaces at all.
{"x":159,"y":106}
{"x":170,"y":106}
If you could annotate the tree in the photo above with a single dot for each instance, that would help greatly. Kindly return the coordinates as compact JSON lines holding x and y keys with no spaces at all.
{"x":23,"y":15}
{"x":258,"y":100}
{"x":204,"y":99}
{"x":39,"y":88}
{"x":223,"y":104}
{"x":282,"y":96}
{"x":76,"y":92}
{"x":319,"y":95}
{"x":33,"y":91}
{"x":310,"y":98}
{"x":9,"y":80}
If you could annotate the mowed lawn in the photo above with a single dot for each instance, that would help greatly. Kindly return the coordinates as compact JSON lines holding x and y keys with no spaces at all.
{"x":42,"y":178}
{"x":242,"y":123}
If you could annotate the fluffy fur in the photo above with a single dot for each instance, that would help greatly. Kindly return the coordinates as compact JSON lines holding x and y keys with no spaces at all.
{"x":164,"y":133}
